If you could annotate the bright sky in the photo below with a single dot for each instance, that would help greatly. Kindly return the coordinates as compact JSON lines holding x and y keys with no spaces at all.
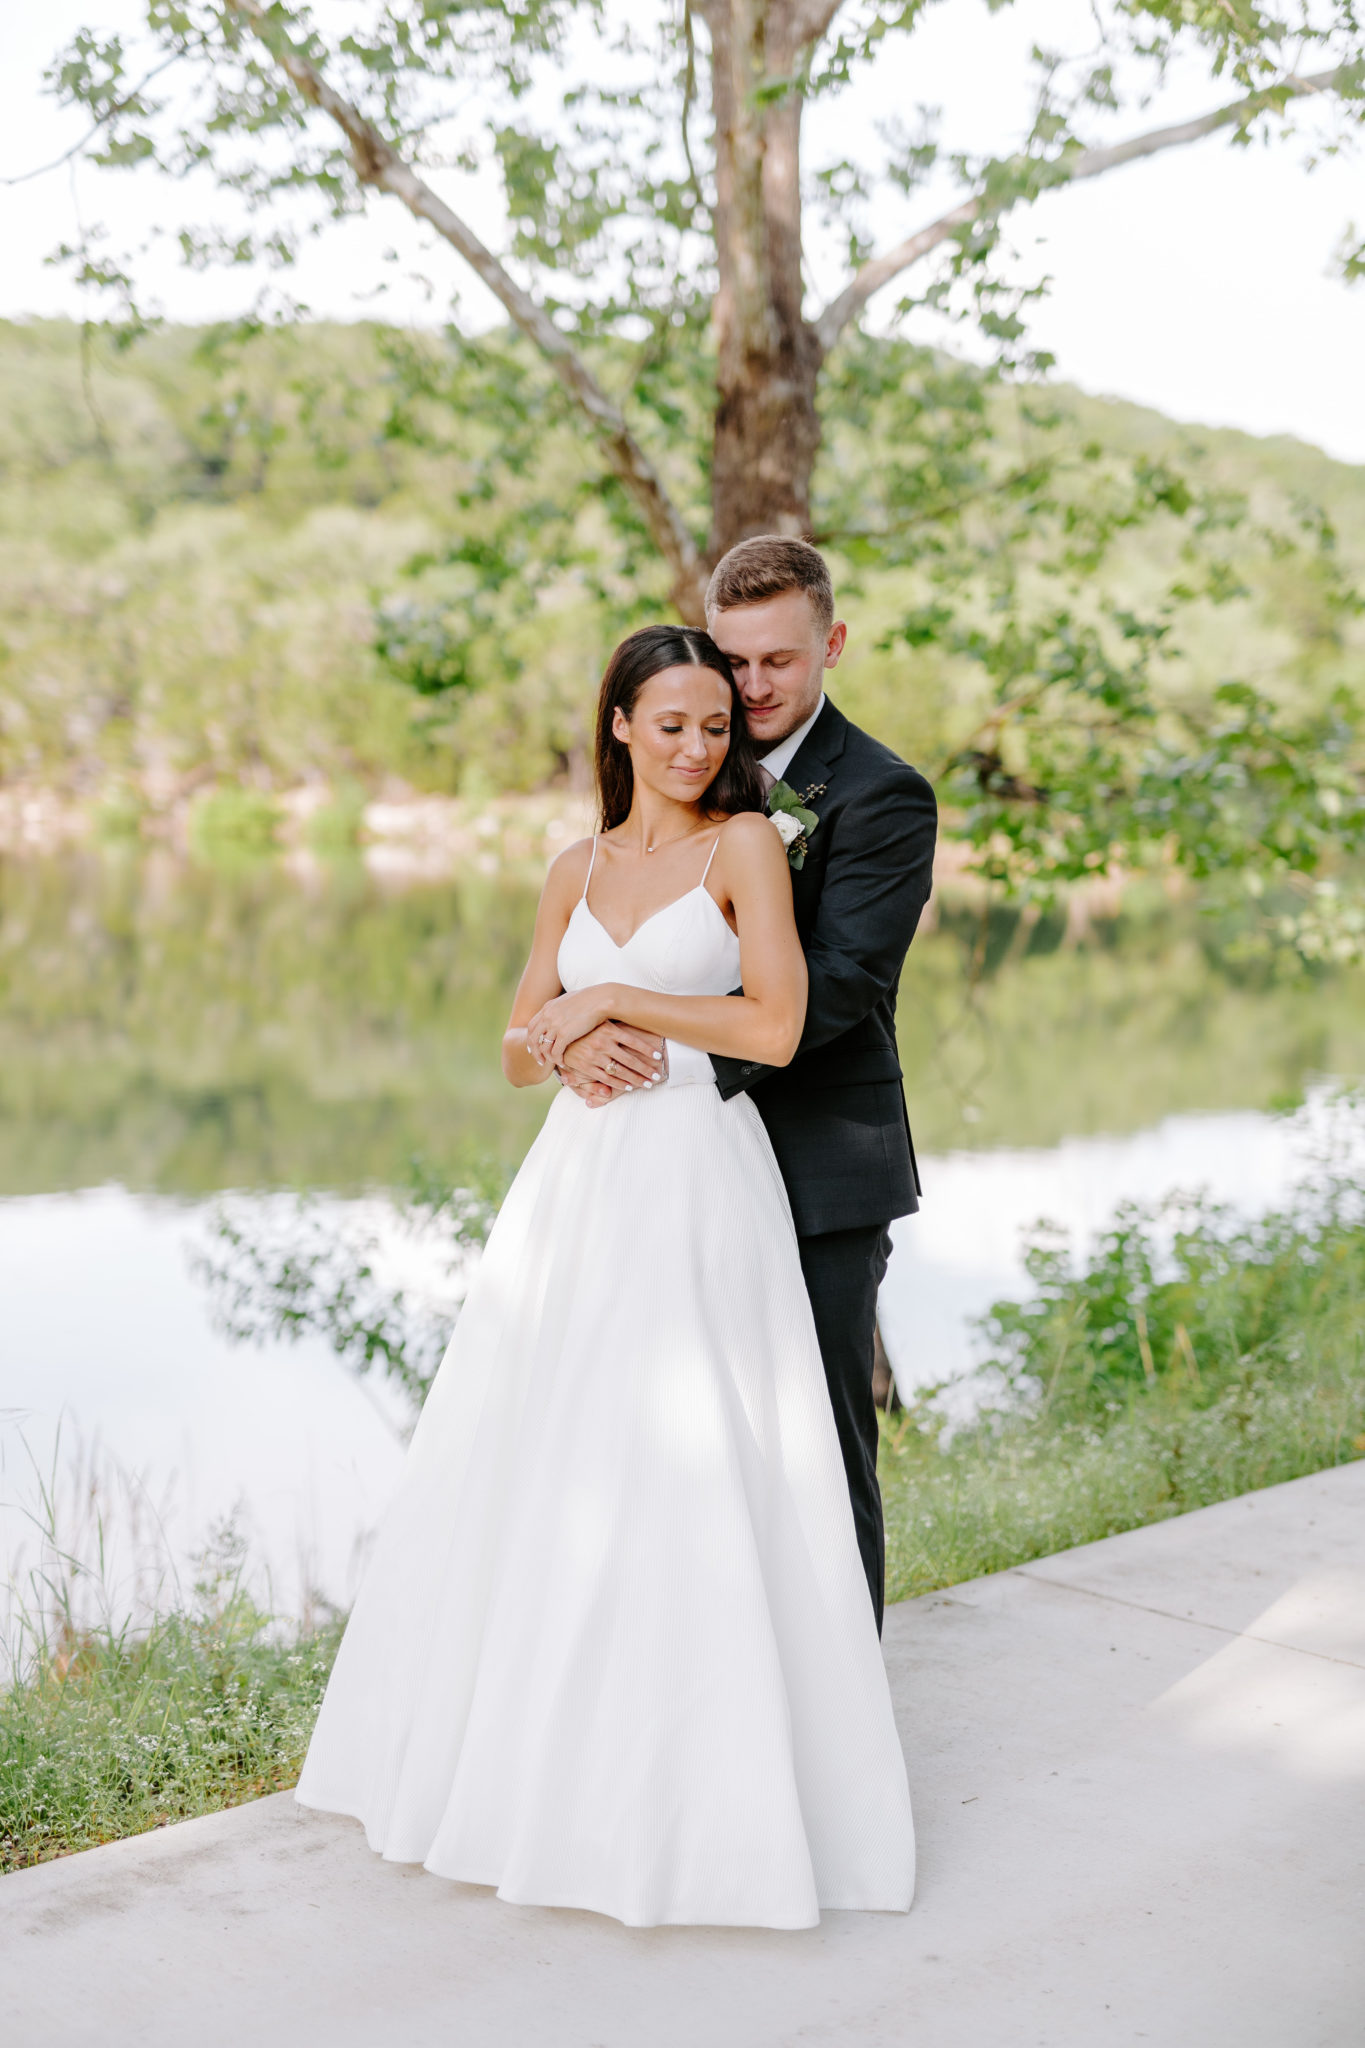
{"x":1199,"y":282}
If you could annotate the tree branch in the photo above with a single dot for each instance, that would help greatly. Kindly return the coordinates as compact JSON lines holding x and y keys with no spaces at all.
{"x":809,"y":20}
{"x":1087,"y":163}
{"x":377,"y":163}
{"x":111,"y":113}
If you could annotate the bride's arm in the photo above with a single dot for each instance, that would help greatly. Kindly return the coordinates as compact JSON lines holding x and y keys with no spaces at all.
{"x":764,"y":1023}
{"x":540,"y":980}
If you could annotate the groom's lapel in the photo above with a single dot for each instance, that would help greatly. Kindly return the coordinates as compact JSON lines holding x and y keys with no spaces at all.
{"x":816,"y":759}
{"x":813,"y":767}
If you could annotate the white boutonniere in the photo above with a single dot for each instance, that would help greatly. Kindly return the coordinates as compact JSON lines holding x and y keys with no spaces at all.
{"x":794,"y":819}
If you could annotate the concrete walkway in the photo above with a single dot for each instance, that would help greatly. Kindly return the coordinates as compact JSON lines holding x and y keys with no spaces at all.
{"x":1138,"y":1772}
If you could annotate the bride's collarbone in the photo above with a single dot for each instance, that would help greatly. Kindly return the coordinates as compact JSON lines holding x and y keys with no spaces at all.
{"x":642,"y":882}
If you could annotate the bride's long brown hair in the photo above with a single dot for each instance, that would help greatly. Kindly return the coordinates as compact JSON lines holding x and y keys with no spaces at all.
{"x":737,"y":786}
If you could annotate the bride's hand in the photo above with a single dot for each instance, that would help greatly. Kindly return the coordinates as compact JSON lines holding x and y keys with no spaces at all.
{"x":563,"y":1019}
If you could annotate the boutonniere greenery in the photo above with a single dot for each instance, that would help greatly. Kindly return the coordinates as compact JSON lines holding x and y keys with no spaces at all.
{"x":793,"y":818}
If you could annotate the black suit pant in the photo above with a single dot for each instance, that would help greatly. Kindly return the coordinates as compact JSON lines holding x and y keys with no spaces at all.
{"x":843,"y":1270}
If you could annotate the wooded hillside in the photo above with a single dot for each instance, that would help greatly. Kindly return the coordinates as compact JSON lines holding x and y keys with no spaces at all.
{"x":298,"y":554}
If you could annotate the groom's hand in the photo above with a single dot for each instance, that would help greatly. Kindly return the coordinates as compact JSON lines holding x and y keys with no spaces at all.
{"x":607,"y":1061}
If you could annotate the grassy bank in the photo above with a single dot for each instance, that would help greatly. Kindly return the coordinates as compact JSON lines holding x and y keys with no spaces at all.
{"x":111,"y":1731}
{"x":1007,"y":1495}
{"x":1189,"y":1359}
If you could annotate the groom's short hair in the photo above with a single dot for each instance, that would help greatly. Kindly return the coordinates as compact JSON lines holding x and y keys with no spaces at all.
{"x":766,"y":566}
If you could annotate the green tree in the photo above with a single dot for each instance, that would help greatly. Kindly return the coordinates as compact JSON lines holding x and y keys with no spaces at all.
{"x":627,"y":219}
{"x":660,"y":313}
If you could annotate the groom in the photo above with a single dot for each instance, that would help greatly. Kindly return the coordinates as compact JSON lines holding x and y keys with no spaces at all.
{"x":836,"y":1116}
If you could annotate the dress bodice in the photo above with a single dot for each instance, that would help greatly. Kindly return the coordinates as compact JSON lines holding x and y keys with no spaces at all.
{"x":685,"y":949}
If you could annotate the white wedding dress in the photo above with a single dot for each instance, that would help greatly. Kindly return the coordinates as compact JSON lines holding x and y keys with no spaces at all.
{"x":614,"y":1648}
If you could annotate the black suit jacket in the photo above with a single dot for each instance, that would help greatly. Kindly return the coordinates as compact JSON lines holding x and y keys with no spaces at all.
{"x":836,"y":1115}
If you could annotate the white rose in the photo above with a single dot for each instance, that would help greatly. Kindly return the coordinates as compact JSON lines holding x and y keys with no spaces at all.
{"x":788,"y":827}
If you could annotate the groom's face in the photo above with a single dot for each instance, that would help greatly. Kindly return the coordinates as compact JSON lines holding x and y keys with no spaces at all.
{"x":779,"y":652}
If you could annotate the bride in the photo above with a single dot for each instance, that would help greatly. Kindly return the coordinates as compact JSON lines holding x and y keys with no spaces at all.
{"x":614,"y":1648}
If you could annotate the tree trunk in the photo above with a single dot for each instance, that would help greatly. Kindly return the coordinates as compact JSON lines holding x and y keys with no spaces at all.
{"x":767,"y":430}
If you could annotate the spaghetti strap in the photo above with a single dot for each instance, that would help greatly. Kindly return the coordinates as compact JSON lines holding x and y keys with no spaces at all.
{"x":709,"y":858}
{"x":588,"y":877}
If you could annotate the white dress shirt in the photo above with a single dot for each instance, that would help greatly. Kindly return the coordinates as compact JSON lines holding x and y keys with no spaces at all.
{"x":776,"y":762}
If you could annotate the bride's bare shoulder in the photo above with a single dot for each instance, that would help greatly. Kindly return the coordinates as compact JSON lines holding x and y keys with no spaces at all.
{"x":568,"y":873}
{"x":750,"y":834}
{"x":570,"y":867}
{"x":751,"y":862}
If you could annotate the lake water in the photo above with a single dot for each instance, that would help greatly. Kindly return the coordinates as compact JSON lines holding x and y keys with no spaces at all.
{"x":170,"y":1033}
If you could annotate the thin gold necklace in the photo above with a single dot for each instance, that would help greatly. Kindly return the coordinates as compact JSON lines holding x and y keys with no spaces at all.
{"x":681,"y":836}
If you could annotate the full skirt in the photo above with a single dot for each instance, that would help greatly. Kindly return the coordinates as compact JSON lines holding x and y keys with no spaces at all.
{"x":614,"y":1647}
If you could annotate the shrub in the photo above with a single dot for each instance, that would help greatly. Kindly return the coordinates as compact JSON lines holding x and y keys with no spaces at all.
{"x":231,"y":824}
{"x":1190,"y":1358}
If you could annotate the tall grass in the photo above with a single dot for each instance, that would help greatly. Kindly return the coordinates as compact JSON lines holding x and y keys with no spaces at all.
{"x":129,"y":1701}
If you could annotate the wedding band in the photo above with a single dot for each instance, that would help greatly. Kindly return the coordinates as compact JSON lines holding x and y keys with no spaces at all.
{"x":611,"y":1066}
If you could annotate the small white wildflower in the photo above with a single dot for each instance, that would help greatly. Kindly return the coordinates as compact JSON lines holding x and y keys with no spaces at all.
{"x":788,"y":827}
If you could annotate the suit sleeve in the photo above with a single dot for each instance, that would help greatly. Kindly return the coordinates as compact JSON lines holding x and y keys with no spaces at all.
{"x":877,"y":882}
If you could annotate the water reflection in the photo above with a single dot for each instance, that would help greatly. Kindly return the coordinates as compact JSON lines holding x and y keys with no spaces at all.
{"x":180,"y":1029}
{"x":107,"y":1341}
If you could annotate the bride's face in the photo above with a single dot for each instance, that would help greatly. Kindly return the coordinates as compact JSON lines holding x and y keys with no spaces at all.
{"x":678,"y":733}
